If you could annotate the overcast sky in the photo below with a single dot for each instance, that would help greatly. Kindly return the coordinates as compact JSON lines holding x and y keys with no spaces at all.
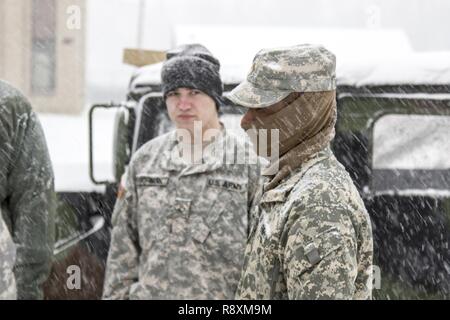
{"x":112,"y":25}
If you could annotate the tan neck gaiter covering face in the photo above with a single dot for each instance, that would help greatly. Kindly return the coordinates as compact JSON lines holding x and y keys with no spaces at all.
{"x":306,"y":126}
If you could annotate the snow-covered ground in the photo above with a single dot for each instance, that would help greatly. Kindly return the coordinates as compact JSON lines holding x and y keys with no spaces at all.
{"x":68,"y":143}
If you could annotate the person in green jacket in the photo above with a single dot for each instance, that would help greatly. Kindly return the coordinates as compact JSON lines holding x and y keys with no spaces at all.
{"x":27,"y":195}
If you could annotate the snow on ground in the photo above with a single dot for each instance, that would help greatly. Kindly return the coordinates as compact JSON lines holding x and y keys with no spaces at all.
{"x":68,"y":143}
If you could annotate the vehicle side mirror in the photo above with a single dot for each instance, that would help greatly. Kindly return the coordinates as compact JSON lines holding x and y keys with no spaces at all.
{"x":119,"y":143}
{"x":121,"y":146}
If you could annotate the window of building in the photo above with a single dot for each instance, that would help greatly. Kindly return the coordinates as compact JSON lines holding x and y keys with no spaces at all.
{"x":43,"y":54}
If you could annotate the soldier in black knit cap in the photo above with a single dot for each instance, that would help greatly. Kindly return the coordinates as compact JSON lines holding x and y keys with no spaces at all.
{"x":192,"y":66}
{"x":180,"y":231}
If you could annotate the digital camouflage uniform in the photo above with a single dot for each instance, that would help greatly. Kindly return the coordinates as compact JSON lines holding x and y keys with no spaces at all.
{"x":7,"y":257}
{"x":181,"y":231}
{"x":313,"y":237}
{"x":27,"y":195}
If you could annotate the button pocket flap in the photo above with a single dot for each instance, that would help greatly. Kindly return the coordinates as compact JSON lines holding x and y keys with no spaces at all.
{"x":311,"y":253}
{"x":200,"y":230}
{"x":151,"y":180}
{"x":216,"y":210}
{"x":182,"y":206}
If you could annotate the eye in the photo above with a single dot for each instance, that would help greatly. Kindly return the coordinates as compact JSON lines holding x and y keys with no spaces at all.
{"x":172,"y":94}
{"x":195,"y":92}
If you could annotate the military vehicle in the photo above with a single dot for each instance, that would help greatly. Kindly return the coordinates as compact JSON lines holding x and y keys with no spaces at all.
{"x":392,"y":135}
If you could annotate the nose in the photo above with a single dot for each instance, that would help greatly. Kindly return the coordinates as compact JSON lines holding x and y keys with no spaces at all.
{"x":184,"y":103}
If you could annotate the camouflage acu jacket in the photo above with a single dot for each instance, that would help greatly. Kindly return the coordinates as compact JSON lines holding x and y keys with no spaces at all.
{"x":27,"y":196}
{"x":7,"y":257}
{"x":313,"y":238}
{"x":180,"y":232}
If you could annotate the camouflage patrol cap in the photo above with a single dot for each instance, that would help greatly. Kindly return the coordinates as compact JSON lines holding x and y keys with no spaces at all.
{"x":277,"y":72}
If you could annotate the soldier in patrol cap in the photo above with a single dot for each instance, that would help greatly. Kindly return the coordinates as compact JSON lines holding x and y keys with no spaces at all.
{"x":181,"y":230}
{"x":313,"y":239}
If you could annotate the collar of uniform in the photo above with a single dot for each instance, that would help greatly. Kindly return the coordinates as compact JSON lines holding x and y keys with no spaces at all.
{"x":315,"y":158}
{"x":171,"y":160}
{"x":281,"y":192}
{"x":211,"y":160}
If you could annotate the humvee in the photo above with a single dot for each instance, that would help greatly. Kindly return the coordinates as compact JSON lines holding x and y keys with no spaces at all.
{"x":392,"y":135}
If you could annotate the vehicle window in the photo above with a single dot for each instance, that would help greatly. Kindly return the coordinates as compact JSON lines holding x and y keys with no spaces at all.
{"x":411,"y":152}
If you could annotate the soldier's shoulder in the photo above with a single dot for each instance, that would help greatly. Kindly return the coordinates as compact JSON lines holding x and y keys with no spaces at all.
{"x":12,"y":100}
{"x":326,"y":195}
{"x":151,"y":150}
{"x":152,"y":146}
{"x":319,"y":205}
{"x":327,"y":180}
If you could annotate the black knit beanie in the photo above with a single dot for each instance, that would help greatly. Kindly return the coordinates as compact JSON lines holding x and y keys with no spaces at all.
{"x":192,"y":66}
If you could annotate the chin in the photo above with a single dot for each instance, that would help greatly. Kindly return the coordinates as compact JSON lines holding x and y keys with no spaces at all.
{"x":186,"y":126}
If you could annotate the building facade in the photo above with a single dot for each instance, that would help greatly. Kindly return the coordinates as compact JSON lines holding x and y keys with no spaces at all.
{"x":42,"y":52}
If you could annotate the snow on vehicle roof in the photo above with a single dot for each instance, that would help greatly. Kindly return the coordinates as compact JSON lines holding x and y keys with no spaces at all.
{"x":364,"y":56}
{"x":416,"y":68}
